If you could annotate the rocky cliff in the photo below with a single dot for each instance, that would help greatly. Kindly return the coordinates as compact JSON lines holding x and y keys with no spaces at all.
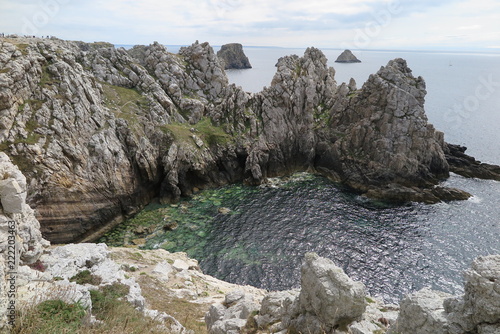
{"x":100,"y":131}
{"x":232,"y":56}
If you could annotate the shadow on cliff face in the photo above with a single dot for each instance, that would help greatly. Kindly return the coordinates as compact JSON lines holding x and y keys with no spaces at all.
{"x":101,"y":131}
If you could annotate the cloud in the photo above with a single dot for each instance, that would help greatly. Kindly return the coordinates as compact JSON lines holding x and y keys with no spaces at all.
{"x":323,"y":23}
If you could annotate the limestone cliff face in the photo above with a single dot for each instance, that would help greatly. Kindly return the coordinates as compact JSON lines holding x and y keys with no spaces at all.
{"x":100,"y":131}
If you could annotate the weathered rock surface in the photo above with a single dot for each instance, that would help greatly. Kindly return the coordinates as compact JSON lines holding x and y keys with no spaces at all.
{"x":467,"y":166}
{"x":328,"y":297}
{"x":31,"y":272}
{"x":100,"y":131}
{"x":347,"y":57}
{"x":232,"y":56}
{"x":477,"y":311}
{"x":327,"y":302}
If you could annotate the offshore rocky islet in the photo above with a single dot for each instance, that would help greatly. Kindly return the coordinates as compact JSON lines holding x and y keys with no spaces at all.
{"x":101,"y":131}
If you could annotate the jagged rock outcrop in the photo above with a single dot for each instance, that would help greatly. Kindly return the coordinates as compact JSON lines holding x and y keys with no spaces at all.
{"x":330,"y":302}
{"x":467,"y":166}
{"x":477,"y":311}
{"x":328,"y":298}
{"x":100,"y":131}
{"x":232,"y":56}
{"x":347,"y":57}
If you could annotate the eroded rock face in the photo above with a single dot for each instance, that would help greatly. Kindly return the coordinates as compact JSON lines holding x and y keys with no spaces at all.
{"x":232,"y":57}
{"x":328,"y":298}
{"x":100,"y":131}
{"x":477,"y":311}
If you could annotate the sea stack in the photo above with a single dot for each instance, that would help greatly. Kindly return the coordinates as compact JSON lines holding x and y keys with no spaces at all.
{"x":347,"y":57}
{"x":232,"y":57}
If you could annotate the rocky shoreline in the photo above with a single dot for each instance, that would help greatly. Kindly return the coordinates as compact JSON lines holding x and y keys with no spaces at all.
{"x":159,"y":284}
{"x":99,"y":132}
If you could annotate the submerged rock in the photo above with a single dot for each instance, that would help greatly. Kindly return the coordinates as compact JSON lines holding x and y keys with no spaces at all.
{"x":232,"y":57}
{"x":347,"y":57}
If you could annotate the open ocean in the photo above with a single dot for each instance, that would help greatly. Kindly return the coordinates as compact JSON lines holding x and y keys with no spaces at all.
{"x":394,"y":250}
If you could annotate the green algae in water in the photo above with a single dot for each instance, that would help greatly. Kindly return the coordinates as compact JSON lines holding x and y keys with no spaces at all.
{"x":195,"y":221}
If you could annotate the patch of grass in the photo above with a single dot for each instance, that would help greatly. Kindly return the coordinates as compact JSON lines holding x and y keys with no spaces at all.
{"x":23,"y":48}
{"x":4,"y":70}
{"x":47,"y":78}
{"x":105,"y":300}
{"x":369,"y":300}
{"x":51,"y":316}
{"x":85,"y":277}
{"x":126,"y":103}
{"x":204,"y":129}
{"x":35,"y":104}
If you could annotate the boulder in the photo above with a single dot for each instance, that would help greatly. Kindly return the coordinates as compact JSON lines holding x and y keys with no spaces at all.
{"x":232,"y":56}
{"x":347,"y":57}
{"x":328,"y":298}
{"x":422,"y":312}
{"x":232,"y":315}
{"x":477,"y":311}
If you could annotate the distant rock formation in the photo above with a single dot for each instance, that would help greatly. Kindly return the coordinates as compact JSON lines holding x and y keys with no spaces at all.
{"x":232,"y":57}
{"x":347,"y":57}
{"x":99,"y":132}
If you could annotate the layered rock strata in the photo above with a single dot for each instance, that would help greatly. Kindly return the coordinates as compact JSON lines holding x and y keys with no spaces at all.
{"x":100,"y":131}
{"x":232,"y":56}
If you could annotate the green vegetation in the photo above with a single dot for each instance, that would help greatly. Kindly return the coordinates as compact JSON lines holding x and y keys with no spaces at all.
{"x":23,"y":48}
{"x":47,"y":78}
{"x":210,"y":134}
{"x":51,"y":316}
{"x":5,"y":70}
{"x":85,"y":277}
{"x":126,"y":103}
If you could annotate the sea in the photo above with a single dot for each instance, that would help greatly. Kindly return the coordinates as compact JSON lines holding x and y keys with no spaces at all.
{"x":393,"y":249}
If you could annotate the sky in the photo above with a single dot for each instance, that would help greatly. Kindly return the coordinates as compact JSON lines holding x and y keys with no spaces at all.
{"x":354,"y":24}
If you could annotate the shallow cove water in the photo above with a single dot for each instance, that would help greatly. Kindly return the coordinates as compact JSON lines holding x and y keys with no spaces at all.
{"x":393,"y":249}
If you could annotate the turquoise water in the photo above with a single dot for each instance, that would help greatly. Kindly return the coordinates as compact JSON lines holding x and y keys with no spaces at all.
{"x":393,"y":249}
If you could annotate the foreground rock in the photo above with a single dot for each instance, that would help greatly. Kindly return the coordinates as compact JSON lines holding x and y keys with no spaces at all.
{"x":328,"y":302}
{"x":232,"y":57}
{"x":99,"y":132}
{"x":477,"y":311}
{"x":31,"y":272}
{"x":347,"y":57}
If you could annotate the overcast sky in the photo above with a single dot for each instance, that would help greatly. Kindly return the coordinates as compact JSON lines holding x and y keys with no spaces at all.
{"x":355,"y":24}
